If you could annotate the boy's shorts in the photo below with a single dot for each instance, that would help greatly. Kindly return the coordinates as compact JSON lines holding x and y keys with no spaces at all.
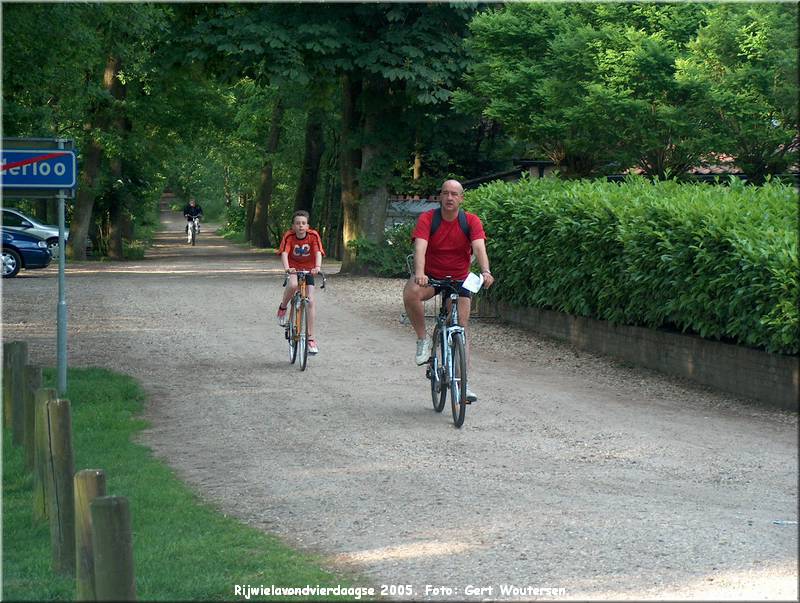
{"x":309,"y":278}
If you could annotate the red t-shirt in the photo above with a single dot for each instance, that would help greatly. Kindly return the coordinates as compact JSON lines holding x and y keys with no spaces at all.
{"x":302,"y":252}
{"x":449,"y":252}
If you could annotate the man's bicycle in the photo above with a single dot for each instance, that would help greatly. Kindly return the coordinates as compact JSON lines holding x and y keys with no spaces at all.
{"x":296,"y":330}
{"x":447,"y":366}
{"x":192,"y":228}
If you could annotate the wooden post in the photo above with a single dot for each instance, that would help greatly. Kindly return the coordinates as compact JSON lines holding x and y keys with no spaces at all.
{"x":113,"y":549}
{"x":41,"y":452}
{"x":6,"y":385}
{"x":89,"y":484}
{"x":17,"y":359}
{"x":60,"y":497}
{"x":6,"y":390}
{"x":33,"y":381}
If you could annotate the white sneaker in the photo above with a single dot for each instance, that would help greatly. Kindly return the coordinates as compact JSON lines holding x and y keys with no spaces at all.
{"x":423,"y":351}
{"x":471,"y":396}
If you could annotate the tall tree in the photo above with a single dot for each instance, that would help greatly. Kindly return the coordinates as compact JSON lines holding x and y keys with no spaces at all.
{"x":314,"y":148}
{"x":390,"y":57}
{"x":260,"y":233}
{"x":591,"y":86}
{"x":746,"y":60}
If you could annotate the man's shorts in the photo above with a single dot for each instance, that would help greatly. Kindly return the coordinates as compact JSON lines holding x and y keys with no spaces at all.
{"x":461,"y":291}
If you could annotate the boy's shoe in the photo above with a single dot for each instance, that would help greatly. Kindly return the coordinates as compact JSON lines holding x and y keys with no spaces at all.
{"x":423,"y":351}
{"x":471,"y":395}
{"x":312,"y":346}
{"x":281,"y":316}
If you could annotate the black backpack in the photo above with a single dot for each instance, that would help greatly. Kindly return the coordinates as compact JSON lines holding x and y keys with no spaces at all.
{"x":462,"y":222}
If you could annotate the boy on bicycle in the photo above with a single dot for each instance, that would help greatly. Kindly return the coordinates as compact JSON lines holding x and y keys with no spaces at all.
{"x":301,"y":249}
{"x":445,"y":252}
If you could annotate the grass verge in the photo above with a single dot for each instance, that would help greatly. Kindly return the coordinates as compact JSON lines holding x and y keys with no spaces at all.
{"x":184,"y":549}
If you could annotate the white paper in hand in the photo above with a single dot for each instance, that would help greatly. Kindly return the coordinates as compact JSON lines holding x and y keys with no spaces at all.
{"x":473,"y":282}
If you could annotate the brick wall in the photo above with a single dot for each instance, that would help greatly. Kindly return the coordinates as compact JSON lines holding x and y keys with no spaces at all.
{"x":771,"y":379}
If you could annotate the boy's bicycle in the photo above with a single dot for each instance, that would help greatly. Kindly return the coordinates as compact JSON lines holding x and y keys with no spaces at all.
{"x":193,"y":227}
{"x":296,"y":330}
{"x":447,"y":366}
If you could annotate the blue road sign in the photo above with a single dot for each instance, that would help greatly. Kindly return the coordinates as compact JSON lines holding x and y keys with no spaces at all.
{"x":38,"y":168}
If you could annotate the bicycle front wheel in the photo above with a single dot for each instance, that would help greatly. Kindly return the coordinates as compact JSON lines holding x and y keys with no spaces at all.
{"x":302,"y":337}
{"x":194,"y":233}
{"x":458,"y":384}
{"x":436,"y":373}
{"x":292,"y":333}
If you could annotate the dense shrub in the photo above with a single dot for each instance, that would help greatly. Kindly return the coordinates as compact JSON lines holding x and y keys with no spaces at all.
{"x":717,"y":261}
{"x":389,"y":259}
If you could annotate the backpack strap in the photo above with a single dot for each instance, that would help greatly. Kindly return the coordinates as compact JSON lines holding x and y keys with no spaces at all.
{"x":437,"y":220}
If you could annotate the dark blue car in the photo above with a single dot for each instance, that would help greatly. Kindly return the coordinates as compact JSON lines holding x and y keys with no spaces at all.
{"x":23,"y":250}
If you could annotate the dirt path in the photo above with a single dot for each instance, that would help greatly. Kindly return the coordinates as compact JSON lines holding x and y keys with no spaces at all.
{"x":572,"y":472}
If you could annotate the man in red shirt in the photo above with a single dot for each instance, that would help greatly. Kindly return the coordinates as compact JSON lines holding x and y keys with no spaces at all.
{"x":445,"y":253}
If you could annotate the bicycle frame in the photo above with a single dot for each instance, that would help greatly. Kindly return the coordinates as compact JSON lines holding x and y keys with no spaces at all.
{"x":296,"y":327}
{"x":194,"y":228}
{"x":299,"y":301}
{"x":449,"y":345}
{"x":448,"y":327}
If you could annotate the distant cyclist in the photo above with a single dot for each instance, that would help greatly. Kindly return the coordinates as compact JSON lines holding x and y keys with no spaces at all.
{"x":191,"y":211}
{"x":444,"y":241}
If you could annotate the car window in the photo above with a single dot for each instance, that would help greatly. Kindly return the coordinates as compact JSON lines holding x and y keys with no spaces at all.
{"x":11,"y":219}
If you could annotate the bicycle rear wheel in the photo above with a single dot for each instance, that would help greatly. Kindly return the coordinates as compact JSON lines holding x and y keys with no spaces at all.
{"x":302,"y":336}
{"x":292,"y":333}
{"x":458,"y":385}
{"x":436,"y":372}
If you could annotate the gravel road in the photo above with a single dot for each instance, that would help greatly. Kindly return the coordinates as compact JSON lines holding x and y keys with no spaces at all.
{"x":573,"y":472}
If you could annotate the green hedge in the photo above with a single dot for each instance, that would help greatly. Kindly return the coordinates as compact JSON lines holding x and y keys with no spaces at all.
{"x":718,"y":261}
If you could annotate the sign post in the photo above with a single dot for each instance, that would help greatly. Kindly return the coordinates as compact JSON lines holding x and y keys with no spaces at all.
{"x":44,"y":168}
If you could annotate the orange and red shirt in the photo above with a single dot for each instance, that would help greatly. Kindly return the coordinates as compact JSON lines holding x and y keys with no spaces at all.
{"x":302,"y":252}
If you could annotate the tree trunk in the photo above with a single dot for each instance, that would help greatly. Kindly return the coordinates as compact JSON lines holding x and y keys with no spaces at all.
{"x":349,"y":164}
{"x":330,"y":211}
{"x":226,"y":185}
{"x":40,"y":212}
{"x":309,"y":173}
{"x":117,"y":214}
{"x":84,"y":201}
{"x":417,"y":164}
{"x":374,"y":170}
{"x":260,"y":232}
{"x":249,"y":211}
{"x":51,"y":215}
{"x":90,"y":167}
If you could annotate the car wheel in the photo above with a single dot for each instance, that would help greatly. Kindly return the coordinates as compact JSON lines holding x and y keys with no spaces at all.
{"x":52,"y":245}
{"x":11,"y":263}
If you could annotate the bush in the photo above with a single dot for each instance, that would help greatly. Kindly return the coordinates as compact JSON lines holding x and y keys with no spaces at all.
{"x":717,"y":261}
{"x":388,"y":259}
